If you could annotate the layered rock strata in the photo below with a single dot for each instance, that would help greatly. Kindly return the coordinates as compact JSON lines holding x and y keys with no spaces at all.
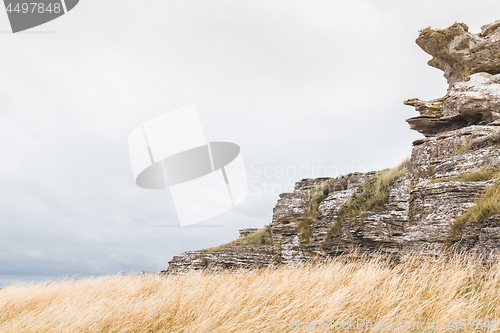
{"x":461,"y":136}
{"x":230,"y":258}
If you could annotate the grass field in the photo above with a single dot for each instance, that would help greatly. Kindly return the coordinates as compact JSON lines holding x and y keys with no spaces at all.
{"x":420,"y":290}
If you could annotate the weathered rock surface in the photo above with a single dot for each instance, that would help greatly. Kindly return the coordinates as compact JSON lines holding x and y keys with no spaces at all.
{"x":471,"y":64}
{"x":459,"y":53}
{"x":377,"y":230}
{"x":462,"y":134}
{"x":291,"y":209}
{"x":230,"y":258}
{"x":247,"y":231}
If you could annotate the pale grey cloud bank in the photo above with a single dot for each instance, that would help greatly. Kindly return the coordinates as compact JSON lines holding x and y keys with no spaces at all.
{"x":309,"y":86}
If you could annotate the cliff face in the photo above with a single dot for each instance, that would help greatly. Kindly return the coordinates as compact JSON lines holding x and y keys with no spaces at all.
{"x":446,"y":195}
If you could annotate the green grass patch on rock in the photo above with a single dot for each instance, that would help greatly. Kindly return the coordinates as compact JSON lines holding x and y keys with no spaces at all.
{"x":316,"y":195}
{"x":462,"y":148}
{"x":474,"y":176}
{"x":374,"y":196}
{"x":487,"y":206}
{"x":259,"y":238}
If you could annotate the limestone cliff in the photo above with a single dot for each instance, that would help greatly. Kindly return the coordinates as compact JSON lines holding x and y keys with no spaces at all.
{"x":446,"y":196}
{"x":471,"y":64}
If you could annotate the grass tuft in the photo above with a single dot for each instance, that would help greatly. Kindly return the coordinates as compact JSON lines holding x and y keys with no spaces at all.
{"x":316,"y":195}
{"x":462,"y":148}
{"x":487,"y":206}
{"x":374,"y":196}
{"x":474,"y":176}
{"x":259,"y":238}
{"x":425,"y":30}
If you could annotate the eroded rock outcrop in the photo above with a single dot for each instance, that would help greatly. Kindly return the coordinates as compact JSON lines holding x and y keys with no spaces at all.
{"x":420,"y":209}
{"x":471,"y":64}
{"x":459,"y":53}
{"x":230,"y":258}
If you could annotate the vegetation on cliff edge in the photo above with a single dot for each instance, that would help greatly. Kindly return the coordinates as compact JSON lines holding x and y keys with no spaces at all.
{"x":474,"y":176}
{"x":259,"y":238}
{"x":486,"y":206}
{"x":316,"y":195}
{"x":374,"y":196}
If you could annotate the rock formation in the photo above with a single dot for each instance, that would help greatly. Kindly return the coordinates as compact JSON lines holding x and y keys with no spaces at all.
{"x":471,"y":64}
{"x":446,"y":196}
{"x":233,"y":257}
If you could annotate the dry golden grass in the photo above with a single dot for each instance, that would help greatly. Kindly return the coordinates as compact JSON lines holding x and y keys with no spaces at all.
{"x":260,"y":300}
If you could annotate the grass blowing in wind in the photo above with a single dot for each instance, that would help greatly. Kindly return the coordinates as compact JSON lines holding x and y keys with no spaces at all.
{"x":265,"y":300}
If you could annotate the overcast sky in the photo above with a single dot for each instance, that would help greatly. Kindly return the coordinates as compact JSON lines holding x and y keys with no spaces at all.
{"x":306,"y":88}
